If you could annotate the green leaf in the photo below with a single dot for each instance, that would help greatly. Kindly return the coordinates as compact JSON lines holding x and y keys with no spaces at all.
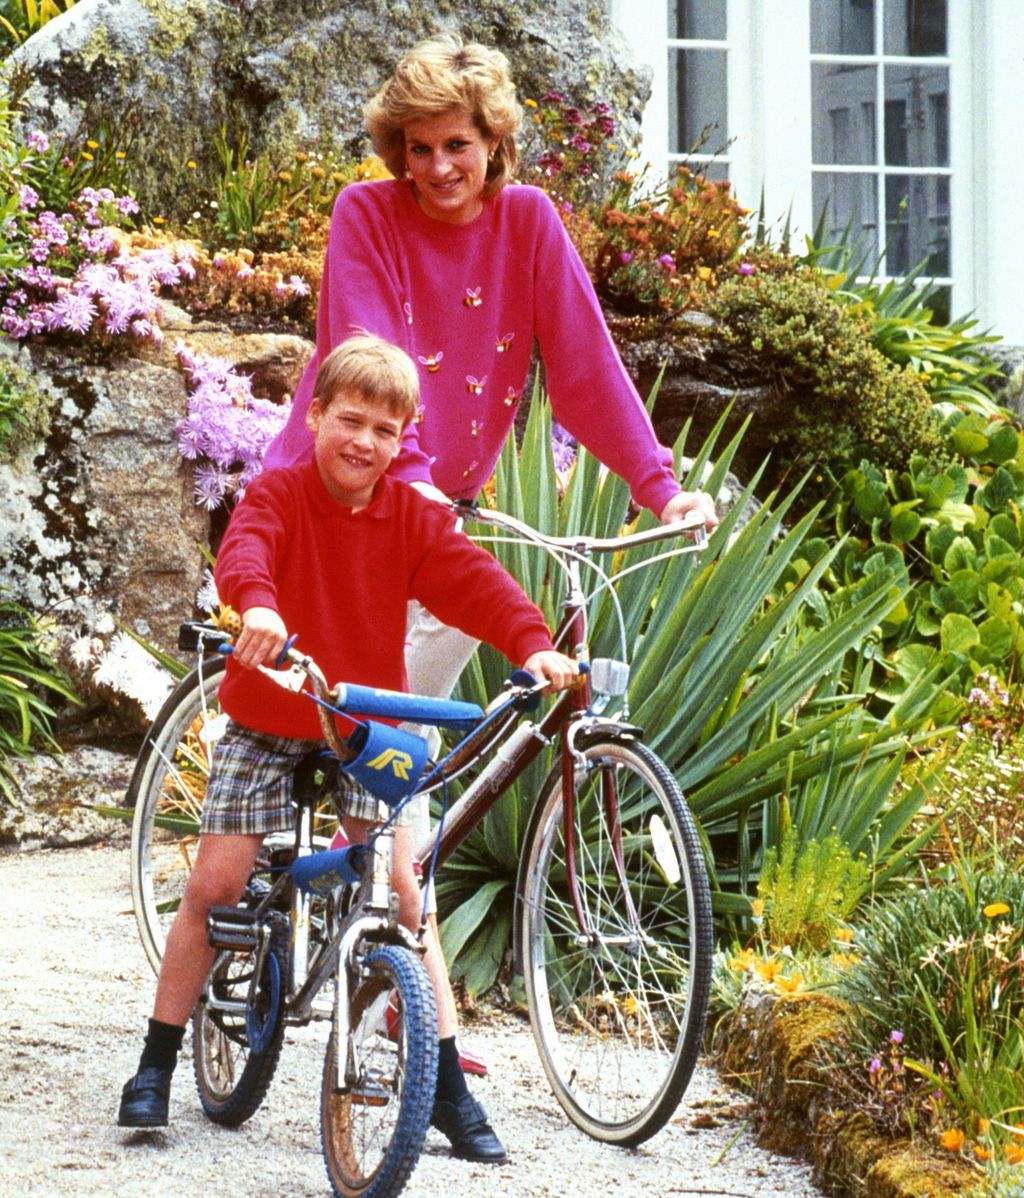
{"x":905,"y":525}
{"x":998,"y":491}
{"x":958,"y":633}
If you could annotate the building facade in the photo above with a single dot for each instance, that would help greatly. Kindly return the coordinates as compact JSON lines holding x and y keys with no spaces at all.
{"x":894,"y":120}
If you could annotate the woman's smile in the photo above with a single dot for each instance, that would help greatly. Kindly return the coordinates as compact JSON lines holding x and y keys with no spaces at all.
{"x":446,"y":157}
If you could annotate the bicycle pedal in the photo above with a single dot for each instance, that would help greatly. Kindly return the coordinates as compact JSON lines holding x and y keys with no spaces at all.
{"x":233,"y":928}
{"x":369,"y":1096}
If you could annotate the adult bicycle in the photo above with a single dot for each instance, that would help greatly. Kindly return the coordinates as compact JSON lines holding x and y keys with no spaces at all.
{"x":613,"y":917}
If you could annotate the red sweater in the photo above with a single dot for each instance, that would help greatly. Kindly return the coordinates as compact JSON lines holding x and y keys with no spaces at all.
{"x":341,"y":580}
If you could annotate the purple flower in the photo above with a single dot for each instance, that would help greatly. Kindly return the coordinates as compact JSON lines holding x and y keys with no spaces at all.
{"x":746,"y":268}
{"x":298,"y":285}
{"x":38,"y":141}
{"x":875,"y":1065}
{"x":74,"y":312}
{"x":127,"y":206}
{"x":28,"y":197}
{"x":563,"y":446}
{"x":668,"y":262}
{"x":896,"y":1036}
{"x":626,"y":257}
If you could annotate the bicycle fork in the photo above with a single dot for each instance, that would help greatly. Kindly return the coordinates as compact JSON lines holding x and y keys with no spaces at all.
{"x":375,"y":921}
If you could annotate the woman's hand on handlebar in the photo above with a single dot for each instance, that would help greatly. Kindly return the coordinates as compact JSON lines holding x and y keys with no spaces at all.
{"x":262,"y":638}
{"x":552,"y":667}
{"x":686,"y":502}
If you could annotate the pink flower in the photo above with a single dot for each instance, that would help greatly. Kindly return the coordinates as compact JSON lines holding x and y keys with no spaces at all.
{"x":875,"y":1065}
{"x":896,"y":1036}
{"x":626,"y":257}
{"x":746,"y":268}
{"x":668,"y":262}
{"x":38,"y":141}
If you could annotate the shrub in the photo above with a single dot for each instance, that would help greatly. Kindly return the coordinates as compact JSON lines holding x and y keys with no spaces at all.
{"x":957,"y":526}
{"x":848,"y":401}
{"x":27,"y":672}
{"x":569,"y":150}
{"x":944,"y":966}
{"x":24,"y":410}
{"x":808,"y":889}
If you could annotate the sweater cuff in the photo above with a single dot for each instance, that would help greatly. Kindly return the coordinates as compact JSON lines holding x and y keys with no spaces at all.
{"x":529,"y":643}
{"x":254,"y":596}
{"x":656,"y":493}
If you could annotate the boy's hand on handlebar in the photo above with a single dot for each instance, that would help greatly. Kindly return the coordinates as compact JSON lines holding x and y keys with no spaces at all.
{"x":262,"y":638}
{"x":686,"y":502}
{"x":557,"y":670}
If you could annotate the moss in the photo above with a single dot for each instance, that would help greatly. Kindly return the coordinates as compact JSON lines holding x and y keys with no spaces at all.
{"x":771,"y":1047}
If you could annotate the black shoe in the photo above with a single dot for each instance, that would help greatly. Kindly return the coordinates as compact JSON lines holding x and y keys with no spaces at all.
{"x":144,"y":1099}
{"x":465,"y":1124}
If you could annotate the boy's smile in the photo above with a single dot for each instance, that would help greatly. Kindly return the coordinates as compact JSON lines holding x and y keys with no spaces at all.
{"x":356,"y":440}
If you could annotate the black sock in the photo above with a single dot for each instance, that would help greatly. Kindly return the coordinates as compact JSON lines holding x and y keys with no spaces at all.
{"x":451,"y":1081}
{"x":163,"y":1043}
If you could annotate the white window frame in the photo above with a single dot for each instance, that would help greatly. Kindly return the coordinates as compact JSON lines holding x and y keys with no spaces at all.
{"x":769,"y":116}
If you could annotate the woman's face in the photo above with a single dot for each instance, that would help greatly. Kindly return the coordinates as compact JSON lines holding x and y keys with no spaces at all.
{"x":446,"y":157}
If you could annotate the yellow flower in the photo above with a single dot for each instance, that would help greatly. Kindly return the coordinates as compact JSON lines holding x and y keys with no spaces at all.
{"x":87,"y":156}
{"x":766,"y":969}
{"x":93,"y":145}
{"x":704,"y":272}
{"x":191,"y":165}
{"x":952,"y":1139}
{"x":744,"y":961}
{"x":120,"y":154}
{"x":284,"y":176}
{"x":982,"y":1127}
{"x":844,"y":960}
{"x":301,"y":156}
{"x":757,"y":908}
{"x":158,"y":220}
{"x":844,"y":935}
{"x":713,"y":233}
{"x":995,"y":909}
{"x":530,"y":103}
{"x":789,"y":985}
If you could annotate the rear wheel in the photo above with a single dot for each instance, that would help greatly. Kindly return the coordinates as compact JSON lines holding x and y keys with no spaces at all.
{"x":167,"y":791}
{"x":617,"y":966}
{"x":373,"y":1128}
{"x":235,"y":1052}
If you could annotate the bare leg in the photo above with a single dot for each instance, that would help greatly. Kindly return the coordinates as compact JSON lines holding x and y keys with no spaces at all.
{"x":222,"y":868}
{"x":410,"y":900}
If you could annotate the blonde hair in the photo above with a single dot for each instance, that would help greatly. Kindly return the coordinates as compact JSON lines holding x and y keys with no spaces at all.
{"x":376,"y":370}
{"x":440,"y":75}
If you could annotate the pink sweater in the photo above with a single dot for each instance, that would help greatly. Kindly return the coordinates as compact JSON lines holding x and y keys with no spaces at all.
{"x":341,"y":580}
{"x":465,"y":302}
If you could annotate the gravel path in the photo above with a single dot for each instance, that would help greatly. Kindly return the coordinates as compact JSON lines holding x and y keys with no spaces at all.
{"x":77,"y":990}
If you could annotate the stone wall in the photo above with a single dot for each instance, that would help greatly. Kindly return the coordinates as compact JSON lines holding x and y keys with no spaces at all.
{"x":170,"y":73}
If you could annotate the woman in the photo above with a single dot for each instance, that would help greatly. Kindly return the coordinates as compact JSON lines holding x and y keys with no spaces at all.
{"x":463,"y":270}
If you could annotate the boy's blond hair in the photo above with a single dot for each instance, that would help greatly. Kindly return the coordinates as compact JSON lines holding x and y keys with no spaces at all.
{"x":376,"y":370}
{"x":440,"y":75}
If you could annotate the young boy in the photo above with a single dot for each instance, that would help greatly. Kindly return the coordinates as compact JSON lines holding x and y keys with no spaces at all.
{"x":332,"y":550}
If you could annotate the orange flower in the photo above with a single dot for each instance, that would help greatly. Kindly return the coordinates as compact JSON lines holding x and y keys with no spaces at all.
{"x":983,"y":1154}
{"x":952,"y":1139}
{"x":789,"y":985}
{"x":766,"y":969}
{"x":1014,"y":1154}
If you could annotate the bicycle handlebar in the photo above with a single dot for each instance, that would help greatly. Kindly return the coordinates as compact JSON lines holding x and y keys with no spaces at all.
{"x":692,"y":526}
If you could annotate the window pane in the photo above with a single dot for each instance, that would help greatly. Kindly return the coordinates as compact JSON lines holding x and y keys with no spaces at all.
{"x":843,"y":114}
{"x":916,"y":116}
{"x":697,"y":101}
{"x":697,"y":19}
{"x":915,"y":27}
{"x":850,"y":205}
{"x":843,"y":26}
{"x":917,"y":224}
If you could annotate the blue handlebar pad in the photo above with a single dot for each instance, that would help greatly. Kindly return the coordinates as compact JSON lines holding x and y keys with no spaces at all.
{"x":320,"y":873}
{"x":420,"y":709}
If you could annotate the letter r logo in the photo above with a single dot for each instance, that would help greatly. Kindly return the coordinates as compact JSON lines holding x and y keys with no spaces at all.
{"x":401,"y":763}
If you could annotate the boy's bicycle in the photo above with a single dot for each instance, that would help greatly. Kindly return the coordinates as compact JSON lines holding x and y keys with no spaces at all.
{"x":612,"y":921}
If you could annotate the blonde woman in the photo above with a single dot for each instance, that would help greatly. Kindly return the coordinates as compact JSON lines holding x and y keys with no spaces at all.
{"x":465,"y":270}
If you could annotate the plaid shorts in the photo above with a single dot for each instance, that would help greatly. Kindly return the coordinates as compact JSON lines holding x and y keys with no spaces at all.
{"x":251,"y":781}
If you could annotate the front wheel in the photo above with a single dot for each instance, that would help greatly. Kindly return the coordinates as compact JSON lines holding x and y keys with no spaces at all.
{"x":235,"y":1052}
{"x":373,"y":1127}
{"x":615,"y":923}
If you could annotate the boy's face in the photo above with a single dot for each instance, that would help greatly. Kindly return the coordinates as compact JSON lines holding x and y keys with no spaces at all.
{"x":356,"y":440}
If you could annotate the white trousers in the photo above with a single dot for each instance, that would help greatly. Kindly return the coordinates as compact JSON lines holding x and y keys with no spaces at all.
{"x":435,"y":656}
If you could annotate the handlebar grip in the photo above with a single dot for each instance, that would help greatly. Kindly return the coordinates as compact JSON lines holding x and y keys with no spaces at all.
{"x":282,"y":658}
